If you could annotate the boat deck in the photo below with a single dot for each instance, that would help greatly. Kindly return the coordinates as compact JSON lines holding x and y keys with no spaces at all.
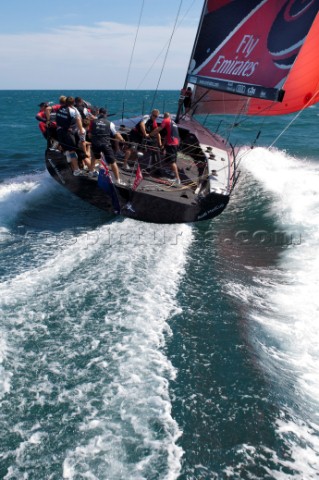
{"x":203,"y":162}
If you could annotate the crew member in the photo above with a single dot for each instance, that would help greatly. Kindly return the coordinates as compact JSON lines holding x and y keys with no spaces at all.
{"x":69,"y":122}
{"x":102,"y":130}
{"x":171,"y":143}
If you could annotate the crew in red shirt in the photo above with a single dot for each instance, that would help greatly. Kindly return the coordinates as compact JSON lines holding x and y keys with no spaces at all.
{"x":171,"y":143}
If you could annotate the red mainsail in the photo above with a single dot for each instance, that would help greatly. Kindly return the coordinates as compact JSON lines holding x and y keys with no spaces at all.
{"x":249,"y":56}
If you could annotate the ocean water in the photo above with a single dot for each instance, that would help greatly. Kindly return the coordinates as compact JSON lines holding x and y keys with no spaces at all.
{"x":140,"y":351}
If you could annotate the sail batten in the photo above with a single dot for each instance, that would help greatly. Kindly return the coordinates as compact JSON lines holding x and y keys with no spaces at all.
{"x":263,"y":49}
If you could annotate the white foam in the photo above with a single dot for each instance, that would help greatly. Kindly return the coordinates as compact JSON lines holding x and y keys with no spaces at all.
{"x":5,"y":376}
{"x":293,"y":183}
{"x":115,"y":296}
{"x":304,"y":444}
{"x":295,"y":186}
{"x":285,"y":300}
{"x":19,"y":192}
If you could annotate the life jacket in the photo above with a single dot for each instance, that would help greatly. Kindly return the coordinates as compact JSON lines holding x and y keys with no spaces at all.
{"x":41,"y":117}
{"x":136,"y":134}
{"x":101,"y":131}
{"x":137,"y":129}
{"x":150,"y":125}
{"x":63,"y":118}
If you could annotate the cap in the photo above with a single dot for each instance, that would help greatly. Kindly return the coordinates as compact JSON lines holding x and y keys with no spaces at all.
{"x":102,"y":111}
{"x":43,"y":104}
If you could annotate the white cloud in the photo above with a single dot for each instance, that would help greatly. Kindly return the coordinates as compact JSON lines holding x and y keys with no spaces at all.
{"x":95,"y":57}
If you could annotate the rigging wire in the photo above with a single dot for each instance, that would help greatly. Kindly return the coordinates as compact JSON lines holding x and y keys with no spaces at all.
{"x":133,"y":50}
{"x":165,"y":46}
{"x":294,"y":119}
{"x":166,"y":54}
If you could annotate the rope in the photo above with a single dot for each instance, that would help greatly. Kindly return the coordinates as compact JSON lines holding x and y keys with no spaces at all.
{"x":166,"y":54}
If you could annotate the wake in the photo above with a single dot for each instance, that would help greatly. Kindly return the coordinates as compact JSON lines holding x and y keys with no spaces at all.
{"x":97,"y":316}
{"x":284,"y":302}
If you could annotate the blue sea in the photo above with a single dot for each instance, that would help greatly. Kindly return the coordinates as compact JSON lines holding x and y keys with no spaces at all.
{"x":133,"y":351}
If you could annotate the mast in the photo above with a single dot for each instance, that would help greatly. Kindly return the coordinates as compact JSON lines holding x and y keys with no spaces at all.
{"x":181,"y":97}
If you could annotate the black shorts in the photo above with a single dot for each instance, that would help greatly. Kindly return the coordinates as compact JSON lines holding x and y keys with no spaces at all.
{"x":171,"y":153}
{"x":107,"y":151}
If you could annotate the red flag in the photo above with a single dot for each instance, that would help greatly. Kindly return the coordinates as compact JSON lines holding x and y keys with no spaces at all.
{"x":138,"y":177}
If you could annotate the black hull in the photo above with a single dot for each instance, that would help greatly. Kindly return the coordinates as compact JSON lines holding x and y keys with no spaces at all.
{"x":156,"y":207}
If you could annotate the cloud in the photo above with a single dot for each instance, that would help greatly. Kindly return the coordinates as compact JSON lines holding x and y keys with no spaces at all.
{"x":94,"y":57}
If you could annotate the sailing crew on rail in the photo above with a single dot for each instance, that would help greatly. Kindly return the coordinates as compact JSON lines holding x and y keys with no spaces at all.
{"x":69,"y":123}
{"x":171,"y":143}
{"x":42,"y":118}
{"x":47,"y":124}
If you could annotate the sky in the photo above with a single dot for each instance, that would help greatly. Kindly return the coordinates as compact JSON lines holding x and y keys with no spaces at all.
{"x":81,"y":44}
